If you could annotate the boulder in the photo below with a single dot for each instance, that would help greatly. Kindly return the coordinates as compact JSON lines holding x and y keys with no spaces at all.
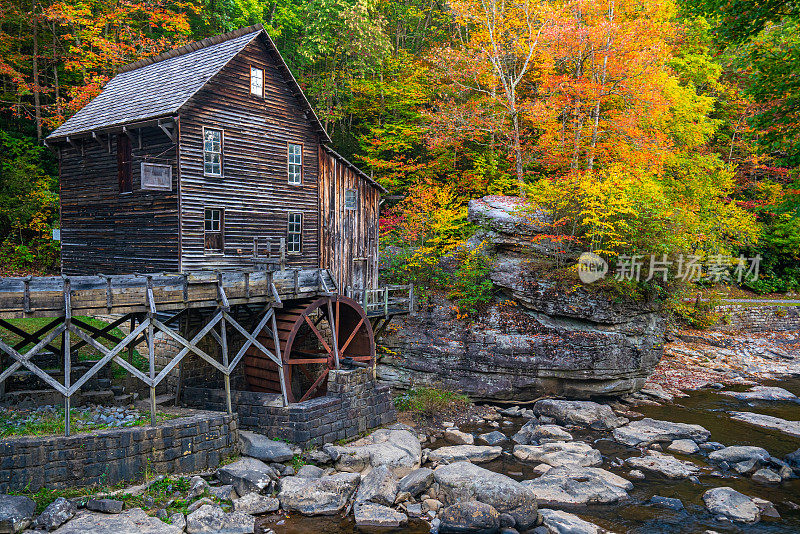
{"x":560,"y":453}
{"x":134,"y":521}
{"x":471,"y":453}
{"x":469,"y":517}
{"x":457,"y":437}
{"x":247,"y":475}
{"x":683,"y":446}
{"x":56,"y":514}
{"x":378,"y":486}
{"x":397,"y":449}
{"x":543,"y":433}
{"x":370,"y":514}
{"x":263,"y":448}
{"x":226,"y":492}
{"x":416,"y":481}
{"x":792,"y":428}
{"x":178,"y":520}
{"x":554,"y":339}
{"x":766,"y":476}
{"x":255,"y":504}
{"x":310,"y":471}
{"x":663,"y":464}
{"x":763,"y":393}
{"x":739,"y":453}
{"x":562,"y":486}
{"x":793,"y":460}
{"x":326,"y":495}
{"x":464,"y":481}
{"x":646,"y":431}
{"x":210,"y":519}
{"x":560,"y":522}
{"x":666,"y":502}
{"x":16,"y":513}
{"x":494,"y":437}
{"x":581,"y":413}
{"x":106,"y":506}
{"x":197,"y":486}
{"x":731,"y":504}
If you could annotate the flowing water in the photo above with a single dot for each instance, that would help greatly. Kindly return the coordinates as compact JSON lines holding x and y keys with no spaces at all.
{"x":704,"y":407}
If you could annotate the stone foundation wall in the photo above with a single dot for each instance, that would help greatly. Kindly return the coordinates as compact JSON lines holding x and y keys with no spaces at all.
{"x":354,"y":404}
{"x":757,"y":318}
{"x":189,"y":444}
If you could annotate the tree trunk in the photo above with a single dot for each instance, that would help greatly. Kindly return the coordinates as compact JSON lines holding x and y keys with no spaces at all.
{"x":37,"y":98}
{"x":518,"y":153}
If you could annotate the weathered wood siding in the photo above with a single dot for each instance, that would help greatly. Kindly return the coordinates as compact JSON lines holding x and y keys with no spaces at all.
{"x":254,"y":191}
{"x":348,"y":238}
{"x":105,"y":231}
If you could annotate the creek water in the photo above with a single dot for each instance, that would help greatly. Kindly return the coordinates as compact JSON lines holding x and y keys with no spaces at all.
{"x":705,"y":407}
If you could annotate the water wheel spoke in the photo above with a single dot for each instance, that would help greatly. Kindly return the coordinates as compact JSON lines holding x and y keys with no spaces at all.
{"x":316,"y":333}
{"x":306,"y":372}
{"x":315,"y":385}
{"x":352,"y":335}
{"x":361,"y":358}
{"x":306,"y":361}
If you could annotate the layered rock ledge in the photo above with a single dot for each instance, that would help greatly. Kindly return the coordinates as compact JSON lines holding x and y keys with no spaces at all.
{"x":537,"y":337}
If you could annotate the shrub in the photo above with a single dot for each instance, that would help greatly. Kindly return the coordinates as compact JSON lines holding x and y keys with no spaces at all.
{"x":429,"y":401}
{"x":470,"y":285}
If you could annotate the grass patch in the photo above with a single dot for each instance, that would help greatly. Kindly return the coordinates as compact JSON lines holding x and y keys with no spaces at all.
{"x":430,"y":401}
{"x":44,"y":423}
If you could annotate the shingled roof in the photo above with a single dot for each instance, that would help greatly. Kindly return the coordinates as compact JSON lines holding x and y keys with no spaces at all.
{"x":158,"y":87}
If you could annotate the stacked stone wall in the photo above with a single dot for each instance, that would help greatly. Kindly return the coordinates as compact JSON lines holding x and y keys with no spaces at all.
{"x":189,"y":444}
{"x":757,"y":318}
{"x":355,"y":403}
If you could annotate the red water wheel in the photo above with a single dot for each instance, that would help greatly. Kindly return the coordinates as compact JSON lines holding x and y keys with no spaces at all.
{"x":307,"y":330}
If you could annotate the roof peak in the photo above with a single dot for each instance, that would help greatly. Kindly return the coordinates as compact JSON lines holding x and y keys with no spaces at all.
{"x":191,"y":47}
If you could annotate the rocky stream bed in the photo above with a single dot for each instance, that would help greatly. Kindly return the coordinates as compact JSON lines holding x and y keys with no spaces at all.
{"x":722,"y":459}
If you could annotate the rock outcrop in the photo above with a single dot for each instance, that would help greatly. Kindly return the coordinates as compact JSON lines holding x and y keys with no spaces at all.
{"x":536,"y":337}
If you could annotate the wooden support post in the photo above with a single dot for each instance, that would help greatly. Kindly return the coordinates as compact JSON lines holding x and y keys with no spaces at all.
{"x":283,"y":253}
{"x":223,"y":327}
{"x":334,"y":333}
{"x":65,"y":348}
{"x":365,"y":301}
{"x":151,"y":349}
{"x":26,"y":299}
{"x":277,"y":343}
{"x":130,"y":347}
{"x":411,"y":298}
{"x":386,"y":301}
{"x":223,"y":342}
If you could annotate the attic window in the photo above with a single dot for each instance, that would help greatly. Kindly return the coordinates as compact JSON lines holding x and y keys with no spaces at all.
{"x":257,"y":82}
{"x":350,"y":199}
{"x":212,"y":152}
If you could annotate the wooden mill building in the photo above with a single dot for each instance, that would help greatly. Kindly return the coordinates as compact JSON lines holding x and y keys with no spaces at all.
{"x":208,"y":157}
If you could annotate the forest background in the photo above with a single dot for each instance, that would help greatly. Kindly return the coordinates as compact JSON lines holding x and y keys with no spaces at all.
{"x":637,"y":127}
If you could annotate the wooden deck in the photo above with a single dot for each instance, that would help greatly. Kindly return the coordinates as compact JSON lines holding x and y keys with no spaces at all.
{"x":43,"y":296}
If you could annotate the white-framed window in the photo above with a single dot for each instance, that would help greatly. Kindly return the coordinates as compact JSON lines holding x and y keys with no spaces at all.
{"x":294,"y":232}
{"x":295,"y":166}
{"x":212,"y":152}
{"x":213,"y":226}
{"x":257,"y":81}
{"x":350,"y":199}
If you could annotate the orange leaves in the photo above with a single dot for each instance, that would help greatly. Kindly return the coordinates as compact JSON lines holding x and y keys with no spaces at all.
{"x":100,"y":37}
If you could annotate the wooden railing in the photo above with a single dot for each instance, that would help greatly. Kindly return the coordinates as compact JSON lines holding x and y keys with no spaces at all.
{"x":269,"y":254}
{"x":217,"y":317}
{"x":384,"y":301}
